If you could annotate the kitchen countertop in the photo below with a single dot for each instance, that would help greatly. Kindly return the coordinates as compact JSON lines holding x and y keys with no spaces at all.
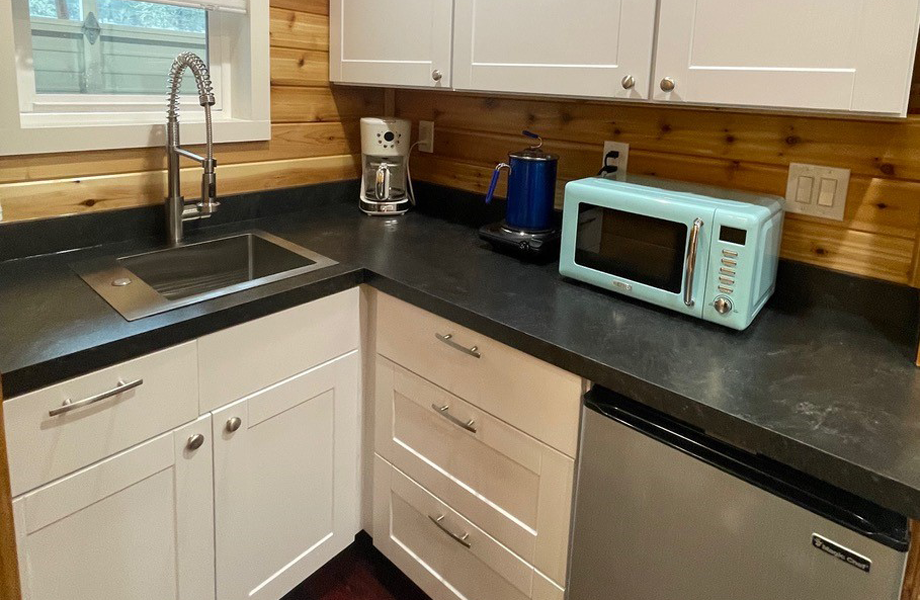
{"x":822,"y":389}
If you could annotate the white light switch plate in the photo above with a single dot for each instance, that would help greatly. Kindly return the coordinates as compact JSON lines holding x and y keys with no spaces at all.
{"x":817,"y":191}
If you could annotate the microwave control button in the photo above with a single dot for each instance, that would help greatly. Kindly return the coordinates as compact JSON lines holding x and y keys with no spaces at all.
{"x":730,"y":253}
{"x":725,"y":271}
{"x":725,"y":290}
{"x":722,"y":305}
{"x":727,"y":280}
{"x":729,"y":262}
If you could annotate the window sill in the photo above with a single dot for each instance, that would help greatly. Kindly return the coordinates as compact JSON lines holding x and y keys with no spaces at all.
{"x":52,"y":133}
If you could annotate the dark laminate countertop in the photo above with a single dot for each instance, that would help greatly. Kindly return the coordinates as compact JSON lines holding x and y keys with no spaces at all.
{"x":810,"y":384}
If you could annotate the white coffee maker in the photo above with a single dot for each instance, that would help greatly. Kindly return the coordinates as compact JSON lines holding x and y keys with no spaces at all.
{"x":385,"y":145}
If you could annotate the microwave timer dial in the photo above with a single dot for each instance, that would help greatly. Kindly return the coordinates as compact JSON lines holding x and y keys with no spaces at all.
{"x":723,"y":305}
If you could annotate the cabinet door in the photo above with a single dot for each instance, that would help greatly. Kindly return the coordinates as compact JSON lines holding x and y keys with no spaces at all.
{"x":134,"y":526}
{"x":286,"y":480}
{"x":566,"y":47}
{"x":391,"y":42}
{"x":847,"y":55}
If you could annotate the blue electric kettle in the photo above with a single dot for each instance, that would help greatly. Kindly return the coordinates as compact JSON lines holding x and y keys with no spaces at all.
{"x":531,"y":188}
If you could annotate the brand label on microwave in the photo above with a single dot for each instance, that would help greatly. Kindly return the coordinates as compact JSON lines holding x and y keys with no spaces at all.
{"x":840,"y":553}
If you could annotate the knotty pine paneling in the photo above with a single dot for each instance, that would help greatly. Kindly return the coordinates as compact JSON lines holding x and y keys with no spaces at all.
{"x":315,"y":138}
{"x":878,"y":237}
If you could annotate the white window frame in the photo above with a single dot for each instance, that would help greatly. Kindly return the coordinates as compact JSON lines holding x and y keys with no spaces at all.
{"x":43,"y":108}
{"x":33,"y":123}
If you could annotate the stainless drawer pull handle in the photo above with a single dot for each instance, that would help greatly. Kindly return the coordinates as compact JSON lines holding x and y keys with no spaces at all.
{"x":69,"y":405}
{"x":463,"y":539}
{"x":448,"y":339}
{"x":468,"y":425}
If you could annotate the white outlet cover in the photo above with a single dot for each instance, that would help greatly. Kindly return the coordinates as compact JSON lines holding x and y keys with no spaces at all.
{"x":426,"y":136}
{"x":622,"y":162}
{"x":818,"y":177}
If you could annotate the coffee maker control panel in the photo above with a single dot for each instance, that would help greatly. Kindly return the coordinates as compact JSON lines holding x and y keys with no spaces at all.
{"x":389,"y":139}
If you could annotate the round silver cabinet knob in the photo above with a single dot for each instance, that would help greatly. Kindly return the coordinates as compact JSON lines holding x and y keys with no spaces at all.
{"x":233,"y":424}
{"x":629,"y":82}
{"x":437,"y":75}
{"x":195,"y":442}
{"x":722,"y":305}
{"x":667,"y":85}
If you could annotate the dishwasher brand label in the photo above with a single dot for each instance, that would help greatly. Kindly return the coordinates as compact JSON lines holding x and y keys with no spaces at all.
{"x":840,"y":553}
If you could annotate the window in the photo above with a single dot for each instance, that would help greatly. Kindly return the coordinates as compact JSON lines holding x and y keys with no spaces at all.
{"x":101,"y":66}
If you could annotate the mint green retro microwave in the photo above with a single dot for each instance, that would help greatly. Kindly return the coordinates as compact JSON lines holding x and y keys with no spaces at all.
{"x":704,"y":251}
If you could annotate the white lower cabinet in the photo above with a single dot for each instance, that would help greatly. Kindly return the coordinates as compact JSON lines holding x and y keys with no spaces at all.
{"x":445,"y":554}
{"x":136,"y":525}
{"x":286,"y":480}
{"x":472,"y":474}
{"x":473,"y":468}
{"x":514,"y":487}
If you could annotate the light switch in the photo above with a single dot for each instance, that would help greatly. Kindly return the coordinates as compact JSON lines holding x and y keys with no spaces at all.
{"x":817,"y":191}
{"x":827,"y":192}
{"x":805,"y":189}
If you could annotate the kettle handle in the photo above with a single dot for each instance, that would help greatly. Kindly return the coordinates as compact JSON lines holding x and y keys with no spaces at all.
{"x":495,"y":176}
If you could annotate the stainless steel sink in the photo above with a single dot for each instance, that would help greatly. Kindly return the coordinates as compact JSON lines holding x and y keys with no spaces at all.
{"x":145,"y":284}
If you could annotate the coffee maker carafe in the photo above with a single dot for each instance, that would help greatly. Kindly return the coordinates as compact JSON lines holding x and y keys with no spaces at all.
{"x":385,"y":145}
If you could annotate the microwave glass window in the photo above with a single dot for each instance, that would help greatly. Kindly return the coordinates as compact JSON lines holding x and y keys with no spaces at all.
{"x":629,"y":246}
{"x":732,"y":235}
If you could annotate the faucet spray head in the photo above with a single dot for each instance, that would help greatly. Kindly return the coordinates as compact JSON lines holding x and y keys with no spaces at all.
{"x":209,"y":203}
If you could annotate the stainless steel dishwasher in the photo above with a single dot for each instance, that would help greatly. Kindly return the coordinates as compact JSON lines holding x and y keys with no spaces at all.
{"x":664,"y":512}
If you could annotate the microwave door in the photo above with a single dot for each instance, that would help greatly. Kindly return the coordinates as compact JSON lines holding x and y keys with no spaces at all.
{"x":659,"y":255}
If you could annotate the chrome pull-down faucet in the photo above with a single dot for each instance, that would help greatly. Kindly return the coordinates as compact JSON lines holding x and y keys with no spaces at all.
{"x":177,"y":209}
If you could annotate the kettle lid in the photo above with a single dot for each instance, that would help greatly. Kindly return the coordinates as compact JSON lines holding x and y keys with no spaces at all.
{"x":534,"y":153}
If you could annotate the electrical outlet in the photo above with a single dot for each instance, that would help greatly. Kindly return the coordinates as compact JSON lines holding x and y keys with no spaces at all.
{"x":620,"y":160}
{"x":817,"y":191}
{"x":426,"y":136}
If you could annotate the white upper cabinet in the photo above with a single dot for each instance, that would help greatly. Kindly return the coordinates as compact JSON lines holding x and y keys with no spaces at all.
{"x":599,"y":48}
{"x":841,"y":55}
{"x":391,"y":42}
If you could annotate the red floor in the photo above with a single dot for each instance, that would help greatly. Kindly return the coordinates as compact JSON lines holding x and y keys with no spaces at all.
{"x":358,"y":573}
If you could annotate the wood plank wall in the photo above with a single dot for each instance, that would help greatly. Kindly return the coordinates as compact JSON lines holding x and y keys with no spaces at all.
{"x":314,"y":138}
{"x":878,"y":238}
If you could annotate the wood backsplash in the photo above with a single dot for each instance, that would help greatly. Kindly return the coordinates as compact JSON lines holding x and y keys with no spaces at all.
{"x":878,"y":237}
{"x":314,"y":138}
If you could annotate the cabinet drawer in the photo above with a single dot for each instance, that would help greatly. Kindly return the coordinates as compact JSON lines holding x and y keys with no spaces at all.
{"x":244,"y":359}
{"x":42,"y":447}
{"x":534,"y":396}
{"x":514,"y":487}
{"x":443,"y":553}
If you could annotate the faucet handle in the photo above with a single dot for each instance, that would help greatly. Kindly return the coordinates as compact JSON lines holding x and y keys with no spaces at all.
{"x":208,"y":204}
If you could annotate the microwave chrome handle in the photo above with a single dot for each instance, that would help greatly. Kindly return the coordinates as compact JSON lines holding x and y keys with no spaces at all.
{"x":70,"y":405}
{"x":690,"y":266}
